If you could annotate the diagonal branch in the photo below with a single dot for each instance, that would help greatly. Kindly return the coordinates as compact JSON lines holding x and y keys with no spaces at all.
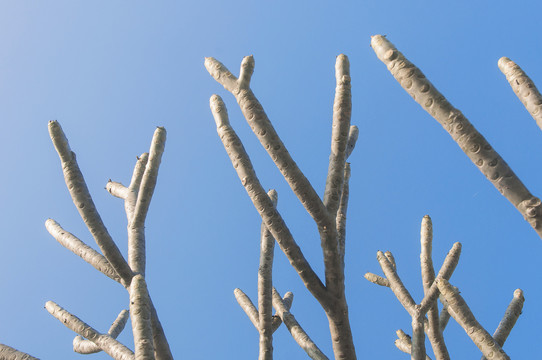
{"x":82,"y":346}
{"x":524,"y":88}
{"x":270,"y":216}
{"x":84,"y":204}
{"x":105,"y":342}
{"x":464,"y":317}
{"x":299,"y":335}
{"x":79,"y":248}
{"x":509,"y":319}
{"x":475,"y":146}
{"x":9,"y":353}
{"x":262,"y":127}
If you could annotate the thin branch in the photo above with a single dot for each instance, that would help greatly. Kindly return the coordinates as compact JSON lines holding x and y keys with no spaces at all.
{"x":117,"y":189}
{"x":509,"y":319}
{"x":404,"y":343}
{"x":265,"y":288}
{"x":445,"y":272}
{"x":464,"y":317}
{"x":376,"y":279}
{"x":83,"y":346}
{"x":105,"y":342}
{"x":524,"y":88}
{"x":299,"y":335}
{"x":475,"y":146}
{"x":84,"y":204}
{"x":352,"y":139}
{"x":135,"y":183}
{"x":270,"y":216}
{"x":396,"y":285}
{"x":428,"y":277}
{"x":79,"y":248}
{"x":287,"y":301}
{"x":9,"y":353}
{"x":341,"y":213}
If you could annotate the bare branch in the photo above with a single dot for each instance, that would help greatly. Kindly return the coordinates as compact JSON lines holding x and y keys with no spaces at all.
{"x":82,"y":346}
{"x":396,"y":285}
{"x":376,"y":279}
{"x":105,"y":342}
{"x":428,"y":277}
{"x":509,"y":319}
{"x":475,"y":146}
{"x":9,"y":353}
{"x":524,"y":88}
{"x":270,"y":216}
{"x":418,"y":335}
{"x":287,"y":300}
{"x":464,"y":317}
{"x":265,"y":288}
{"x":341,"y":213}
{"x":299,"y":335}
{"x":84,"y":204}
{"x":404,"y":343}
{"x":79,"y":248}
{"x":141,"y":319}
{"x":262,"y":127}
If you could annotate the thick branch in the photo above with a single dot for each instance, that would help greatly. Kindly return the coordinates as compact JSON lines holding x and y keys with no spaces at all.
{"x":475,"y":146}
{"x":464,"y":317}
{"x":84,"y":204}
{"x":140,"y":313}
{"x":524,"y":88}
{"x":9,"y":353}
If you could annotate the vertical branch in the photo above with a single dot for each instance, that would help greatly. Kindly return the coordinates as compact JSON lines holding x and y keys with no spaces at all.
{"x":136,"y":227}
{"x":428,"y":277}
{"x":265,"y":288}
{"x":141,"y":319}
{"x":524,"y":88}
{"x":84,"y":204}
{"x":475,"y":146}
{"x":418,"y":335}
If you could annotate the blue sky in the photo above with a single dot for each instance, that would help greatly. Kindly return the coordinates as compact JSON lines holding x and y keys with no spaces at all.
{"x":110,"y":72}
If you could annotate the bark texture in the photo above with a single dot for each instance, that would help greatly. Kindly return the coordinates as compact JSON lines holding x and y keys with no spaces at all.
{"x":524,"y":88}
{"x":475,"y":146}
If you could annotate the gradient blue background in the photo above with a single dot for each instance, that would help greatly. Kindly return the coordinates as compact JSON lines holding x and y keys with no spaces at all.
{"x":110,"y":71}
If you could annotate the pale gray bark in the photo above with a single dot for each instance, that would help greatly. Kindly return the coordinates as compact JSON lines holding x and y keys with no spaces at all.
{"x":84,"y":204}
{"x":509,"y":319}
{"x":83,"y":346}
{"x":79,"y":248}
{"x":418,"y":335}
{"x":377,"y":279}
{"x":299,"y":335}
{"x":265,"y":288}
{"x":341,"y":214}
{"x":428,"y":277}
{"x":105,"y":342}
{"x":524,"y":88}
{"x":475,"y":146}
{"x":331,"y":296}
{"x":136,"y":227}
{"x":248,"y":307}
{"x":9,"y":353}
{"x":404,"y":343}
{"x":464,"y":317}
{"x":140,"y":313}
{"x":271,"y":217}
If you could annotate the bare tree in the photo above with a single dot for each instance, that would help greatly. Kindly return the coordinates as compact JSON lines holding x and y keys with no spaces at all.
{"x":328,"y":212}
